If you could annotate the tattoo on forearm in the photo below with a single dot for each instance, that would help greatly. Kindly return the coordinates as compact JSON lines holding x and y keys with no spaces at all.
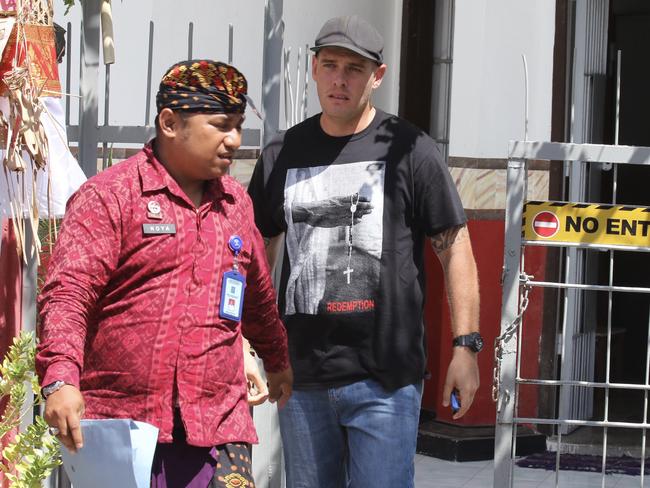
{"x":443,"y":241}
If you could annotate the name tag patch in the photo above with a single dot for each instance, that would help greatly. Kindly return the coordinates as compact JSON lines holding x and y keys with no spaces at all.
{"x":155,"y":229}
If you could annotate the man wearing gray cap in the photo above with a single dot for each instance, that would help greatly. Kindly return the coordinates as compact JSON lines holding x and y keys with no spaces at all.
{"x":357,"y":193}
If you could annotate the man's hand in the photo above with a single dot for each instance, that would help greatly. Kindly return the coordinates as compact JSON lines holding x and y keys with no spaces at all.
{"x":63,"y":410}
{"x":257,"y":390}
{"x":462,"y":375}
{"x":280,"y":386}
{"x":332,"y":212}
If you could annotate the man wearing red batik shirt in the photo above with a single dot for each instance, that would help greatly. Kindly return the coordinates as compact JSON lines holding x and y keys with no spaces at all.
{"x":157,"y":272}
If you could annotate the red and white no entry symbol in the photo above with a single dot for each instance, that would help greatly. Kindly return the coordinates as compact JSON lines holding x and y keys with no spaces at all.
{"x":546,"y":224}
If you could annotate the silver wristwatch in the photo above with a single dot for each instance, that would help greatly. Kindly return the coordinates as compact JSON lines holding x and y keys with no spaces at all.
{"x":47,"y":390}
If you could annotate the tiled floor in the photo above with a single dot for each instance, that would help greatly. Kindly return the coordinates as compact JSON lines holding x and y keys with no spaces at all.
{"x":436,"y":473}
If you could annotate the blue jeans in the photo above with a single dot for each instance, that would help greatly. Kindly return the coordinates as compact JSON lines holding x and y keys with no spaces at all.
{"x":354,"y":436}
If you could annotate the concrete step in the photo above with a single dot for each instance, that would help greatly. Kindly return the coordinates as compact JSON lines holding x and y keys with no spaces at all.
{"x":474,"y":443}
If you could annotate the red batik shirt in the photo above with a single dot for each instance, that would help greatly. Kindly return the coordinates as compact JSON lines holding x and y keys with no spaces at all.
{"x":133,"y":319}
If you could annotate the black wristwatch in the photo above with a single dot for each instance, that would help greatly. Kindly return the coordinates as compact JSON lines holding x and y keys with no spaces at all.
{"x":474,"y":341}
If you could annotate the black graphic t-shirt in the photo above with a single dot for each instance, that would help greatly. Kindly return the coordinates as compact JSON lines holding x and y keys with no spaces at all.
{"x":356,"y":211}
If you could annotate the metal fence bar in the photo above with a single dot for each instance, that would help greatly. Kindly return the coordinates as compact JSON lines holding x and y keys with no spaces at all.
{"x":269,"y":459}
{"x":137,"y":134}
{"x":230,"y":42}
{"x":553,"y":284}
{"x":147,"y":107}
{"x":597,"y":247}
{"x":609,"y":332}
{"x":571,"y":309}
{"x":581,"y":423}
{"x":68,"y":71}
{"x":592,"y":384}
{"x":557,"y":460}
{"x":271,"y":66}
{"x":88,"y":86}
{"x":107,"y":93}
{"x":516,"y":389}
{"x":190,"y":40}
{"x":506,"y":364}
{"x":645,"y":402}
{"x":564,"y":151}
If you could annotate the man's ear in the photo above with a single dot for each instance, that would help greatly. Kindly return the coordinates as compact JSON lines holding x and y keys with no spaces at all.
{"x":169,"y":122}
{"x":379,"y":75}
{"x":314,"y":64}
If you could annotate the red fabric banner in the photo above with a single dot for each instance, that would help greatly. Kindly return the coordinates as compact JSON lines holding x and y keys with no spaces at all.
{"x":11,"y":284}
{"x":7,"y":6}
{"x":41,"y":49}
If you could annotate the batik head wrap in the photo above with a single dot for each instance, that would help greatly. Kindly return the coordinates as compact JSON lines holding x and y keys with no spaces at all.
{"x":202,"y":86}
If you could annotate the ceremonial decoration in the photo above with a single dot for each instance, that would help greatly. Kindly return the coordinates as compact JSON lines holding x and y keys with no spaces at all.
{"x":28,"y":71}
{"x":28,"y":75}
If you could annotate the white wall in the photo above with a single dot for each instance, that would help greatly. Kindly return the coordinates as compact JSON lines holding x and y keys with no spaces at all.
{"x":303,"y":19}
{"x":131,"y":29}
{"x":487,"y":102}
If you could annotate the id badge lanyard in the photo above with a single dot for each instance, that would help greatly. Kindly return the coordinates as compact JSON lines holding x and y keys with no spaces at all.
{"x":233,"y":285}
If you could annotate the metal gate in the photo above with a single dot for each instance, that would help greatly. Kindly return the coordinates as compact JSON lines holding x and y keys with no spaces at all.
{"x":517,"y":285}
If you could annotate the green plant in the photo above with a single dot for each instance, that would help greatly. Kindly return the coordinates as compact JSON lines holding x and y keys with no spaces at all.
{"x":68,"y":5}
{"x":32,"y":455}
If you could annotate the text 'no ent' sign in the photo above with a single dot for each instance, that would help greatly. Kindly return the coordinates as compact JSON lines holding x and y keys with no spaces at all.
{"x":587,"y":224}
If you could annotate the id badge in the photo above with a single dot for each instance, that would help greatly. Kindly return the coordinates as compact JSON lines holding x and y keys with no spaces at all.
{"x":232,"y":295}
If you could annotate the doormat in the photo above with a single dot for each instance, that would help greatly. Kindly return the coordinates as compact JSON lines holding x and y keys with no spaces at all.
{"x":583,"y":462}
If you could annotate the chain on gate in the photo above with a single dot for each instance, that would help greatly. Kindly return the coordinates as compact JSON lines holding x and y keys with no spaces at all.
{"x":524,"y":279}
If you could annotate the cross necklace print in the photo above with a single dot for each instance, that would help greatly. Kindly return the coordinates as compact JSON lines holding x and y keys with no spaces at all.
{"x":354,"y":199}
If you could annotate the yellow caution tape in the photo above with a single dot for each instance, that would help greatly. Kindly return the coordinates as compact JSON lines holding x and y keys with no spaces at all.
{"x":583,"y":223}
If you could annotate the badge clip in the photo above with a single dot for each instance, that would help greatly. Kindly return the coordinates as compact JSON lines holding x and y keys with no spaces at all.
{"x":235,"y":244}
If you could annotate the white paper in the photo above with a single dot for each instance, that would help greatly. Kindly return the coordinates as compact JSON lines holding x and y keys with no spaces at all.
{"x":116,"y":452}
{"x":144,"y":438}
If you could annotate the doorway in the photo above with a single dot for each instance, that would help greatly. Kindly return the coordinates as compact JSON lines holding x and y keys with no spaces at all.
{"x":629,"y":33}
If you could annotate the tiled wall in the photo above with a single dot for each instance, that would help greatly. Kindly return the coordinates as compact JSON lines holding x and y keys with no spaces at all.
{"x":481,"y":183}
{"x":479,"y":188}
{"x":485,"y":189}
{"x":242,"y":169}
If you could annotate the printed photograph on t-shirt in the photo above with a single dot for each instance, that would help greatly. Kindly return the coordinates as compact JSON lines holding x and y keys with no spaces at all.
{"x":334,"y":217}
